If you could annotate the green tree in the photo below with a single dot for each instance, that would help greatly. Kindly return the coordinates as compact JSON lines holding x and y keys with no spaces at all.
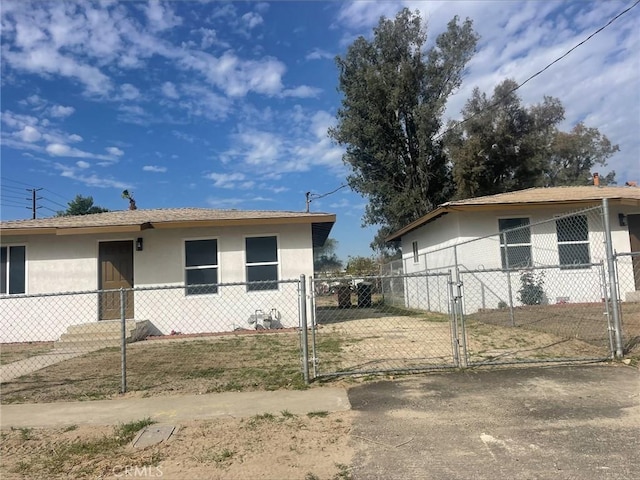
{"x":575,"y":154}
{"x":394,"y":93}
{"x":81,"y":206}
{"x":362,"y":266}
{"x":325,"y":258}
{"x":502,"y":145}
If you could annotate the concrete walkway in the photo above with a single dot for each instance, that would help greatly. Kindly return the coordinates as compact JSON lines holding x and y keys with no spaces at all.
{"x":173,"y":408}
{"x":29,"y":365}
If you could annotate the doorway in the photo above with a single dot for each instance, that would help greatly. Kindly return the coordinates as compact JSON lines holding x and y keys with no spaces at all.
{"x":115,"y":260}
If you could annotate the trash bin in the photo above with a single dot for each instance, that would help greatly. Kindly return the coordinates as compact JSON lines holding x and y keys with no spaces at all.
{"x":344,"y":296}
{"x":364,"y":294}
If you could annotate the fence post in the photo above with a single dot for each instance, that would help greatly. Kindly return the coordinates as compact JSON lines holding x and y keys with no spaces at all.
{"x":461,"y":331}
{"x":454,"y":323}
{"x":613,"y":286}
{"x":123,"y":338}
{"x":312,"y":293}
{"x":509,"y":288}
{"x":607,"y":310}
{"x":303,"y":330}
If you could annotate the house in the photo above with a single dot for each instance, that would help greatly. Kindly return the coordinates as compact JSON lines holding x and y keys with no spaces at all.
{"x":558,"y":231}
{"x":196,"y":249}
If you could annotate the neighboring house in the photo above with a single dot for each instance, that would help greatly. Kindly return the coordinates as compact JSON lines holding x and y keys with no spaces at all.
{"x":186,"y":247}
{"x":541,"y":232}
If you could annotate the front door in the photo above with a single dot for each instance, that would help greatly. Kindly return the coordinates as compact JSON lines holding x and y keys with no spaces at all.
{"x":634,"y":237}
{"x":116,"y":272}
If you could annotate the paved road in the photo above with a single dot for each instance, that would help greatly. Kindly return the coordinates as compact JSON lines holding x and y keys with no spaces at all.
{"x":521,"y":423}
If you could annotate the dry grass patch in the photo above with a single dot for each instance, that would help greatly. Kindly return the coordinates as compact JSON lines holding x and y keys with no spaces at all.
{"x":267,"y":446}
{"x":212,"y":364}
{"x":14,"y":352}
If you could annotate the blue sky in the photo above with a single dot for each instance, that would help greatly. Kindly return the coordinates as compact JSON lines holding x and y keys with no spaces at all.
{"x":227,"y":104}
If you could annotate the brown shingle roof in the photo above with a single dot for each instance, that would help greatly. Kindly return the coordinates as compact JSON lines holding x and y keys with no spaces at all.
{"x":582,"y":195}
{"x":552,"y":194}
{"x":137,"y":220}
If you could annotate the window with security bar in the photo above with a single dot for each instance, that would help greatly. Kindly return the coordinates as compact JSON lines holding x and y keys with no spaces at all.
{"x":515,"y":242}
{"x":573,"y":242}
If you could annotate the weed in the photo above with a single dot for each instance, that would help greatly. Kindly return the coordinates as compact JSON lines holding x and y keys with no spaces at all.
{"x":287,"y":414}
{"x":318,"y":414}
{"x":311,"y":476}
{"x":70,"y":428}
{"x":126,"y":431}
{"x":23,"y":467}
{"x":25,"y":433}
{"x":343,"y":472}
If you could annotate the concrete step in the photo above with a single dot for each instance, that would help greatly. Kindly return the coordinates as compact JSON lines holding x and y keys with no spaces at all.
{"x":96,"y":335}
{"x":103,"y":327}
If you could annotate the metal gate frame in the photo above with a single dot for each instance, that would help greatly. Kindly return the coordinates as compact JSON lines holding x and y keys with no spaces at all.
{"x":456,"y":325}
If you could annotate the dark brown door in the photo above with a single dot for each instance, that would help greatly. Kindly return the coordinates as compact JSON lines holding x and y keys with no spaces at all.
{"x":634,"y":236}
{"x":116,"y":272}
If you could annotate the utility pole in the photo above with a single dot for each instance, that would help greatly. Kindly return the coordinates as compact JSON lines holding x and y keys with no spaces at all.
{"x":34,"y":199}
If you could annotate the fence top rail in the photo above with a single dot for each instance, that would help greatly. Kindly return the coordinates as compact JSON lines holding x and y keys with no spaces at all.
{"x":576,"y":266}
{"x":497,"y":234}
{"x":140,"y":289}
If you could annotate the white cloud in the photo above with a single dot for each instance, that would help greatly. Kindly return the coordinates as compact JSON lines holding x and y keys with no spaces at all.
{"x":303,"y":91}
{"x":169,"y":90}
{"x":129,"y":92}
{"x":90,"y":180}
{"x":115,"y":151}
{"x":319,"y":54}
{"x":60,"y":111}
{"x":225,"y":180}
{"x":154,"y":168}
{"x":160,"y":16}
{"x":75,"y":138}
{"x":29,"y":134}
{"x":59,"y":150}
{"x":252,"y":19}
{"x":82,"y":164}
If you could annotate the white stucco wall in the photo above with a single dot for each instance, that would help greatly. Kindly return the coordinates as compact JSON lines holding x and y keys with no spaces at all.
{"x":58,"y":264}
{"x":485,"y":289}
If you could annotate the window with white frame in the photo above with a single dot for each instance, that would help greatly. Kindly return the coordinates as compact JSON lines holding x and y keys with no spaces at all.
{"x":515,"y":242}
{"x":201,"y":266}
{"x":262,"y":263}
{"x":414,"y":245}
{"x":573,"y":241}
{"x":13,"y":270}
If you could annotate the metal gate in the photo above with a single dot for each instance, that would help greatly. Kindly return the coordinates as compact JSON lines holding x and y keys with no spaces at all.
{"x":383,"y":324}
{"x":503,"y":330}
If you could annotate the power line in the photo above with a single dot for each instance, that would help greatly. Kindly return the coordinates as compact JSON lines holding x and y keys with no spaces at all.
{"x":54,"y":202}
{"x":4,"y":179}
{"x":538,"y":72}
{"x":315,"y":196}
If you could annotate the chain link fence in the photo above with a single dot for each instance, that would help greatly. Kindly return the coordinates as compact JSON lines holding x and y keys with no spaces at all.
{"x":548,"y":290}
{"x":379,"y":324}
{"x":165,"y":339}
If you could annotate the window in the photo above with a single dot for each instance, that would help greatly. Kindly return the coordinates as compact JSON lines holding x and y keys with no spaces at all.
{"x":573,"y":241}
{"x":201,"y":266}
{"x":415,"y":252}
{"x":262,"y":263}
{"x":13,"y":270}
{"x":515,"y":242}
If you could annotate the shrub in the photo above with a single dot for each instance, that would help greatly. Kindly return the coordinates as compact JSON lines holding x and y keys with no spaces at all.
{"x":531,"y":291}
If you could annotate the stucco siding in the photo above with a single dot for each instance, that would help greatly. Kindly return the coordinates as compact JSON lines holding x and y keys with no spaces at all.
{"x":57,"y":264}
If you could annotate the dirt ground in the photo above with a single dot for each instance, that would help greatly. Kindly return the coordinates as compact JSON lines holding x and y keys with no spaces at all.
{"x":270,"y":446}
